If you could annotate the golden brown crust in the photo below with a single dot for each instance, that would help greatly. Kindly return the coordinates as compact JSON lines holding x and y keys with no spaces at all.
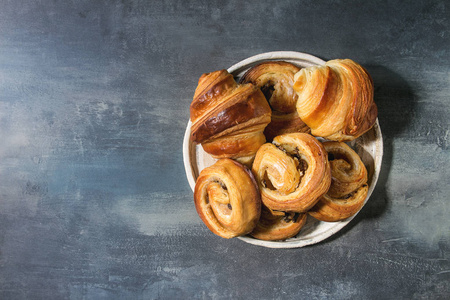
{"x":275,"y":79}
{"x":336,"y":100}
{"x":292,"y":172}
{"x":227,"y":199}
{"x":348,"y":189}
{"x":277,"y":225}
{"x":228,"y":119}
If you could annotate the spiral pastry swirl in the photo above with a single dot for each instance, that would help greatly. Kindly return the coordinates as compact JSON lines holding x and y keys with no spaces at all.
{"x":278,"y":225}
{"x":292,"y":172}
{"x":227,"y":198}
{"x":275,"y":79}
{"x":348,"y":190}
{"x":336,"y":100}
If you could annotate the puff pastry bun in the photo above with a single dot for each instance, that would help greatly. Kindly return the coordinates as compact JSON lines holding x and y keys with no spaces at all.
{"x":336,"y":100}
{"x":228,"y":119}
{"x":278,"y":225}
{"x":227,"y":198}
{"x":292,"y":172}
{"x":348,"y":189}
{"x":276,"y":79}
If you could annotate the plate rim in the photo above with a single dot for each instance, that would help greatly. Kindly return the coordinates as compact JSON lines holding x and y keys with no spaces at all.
{"x":309,"y":59}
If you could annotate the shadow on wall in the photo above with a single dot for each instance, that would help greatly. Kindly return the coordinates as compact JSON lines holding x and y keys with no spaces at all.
{"x":396,"y":108}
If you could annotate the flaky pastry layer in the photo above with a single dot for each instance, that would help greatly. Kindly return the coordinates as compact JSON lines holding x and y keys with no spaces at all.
{"x":228,"y":119}
{"x":227,"y":198}
{"x":348,"y":190}
{"x":292,"y":172}
{"x":276,"y":79}
{"x":336,"y":100}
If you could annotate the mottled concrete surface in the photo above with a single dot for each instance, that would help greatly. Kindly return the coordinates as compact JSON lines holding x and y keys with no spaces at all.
{"x":94,"y":202}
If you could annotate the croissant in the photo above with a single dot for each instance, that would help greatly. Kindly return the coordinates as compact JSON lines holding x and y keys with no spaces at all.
{"x":278,"y":225}
{"x":348,"y":189}
{"x":275,"y":79}
{"x":228,"y":119}
{"x":292,"y":172}
{"x":227,"y":198}
{"x":336,"y":100}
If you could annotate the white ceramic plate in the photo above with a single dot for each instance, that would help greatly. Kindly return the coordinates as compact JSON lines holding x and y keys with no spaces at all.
{"x":369,"y":147}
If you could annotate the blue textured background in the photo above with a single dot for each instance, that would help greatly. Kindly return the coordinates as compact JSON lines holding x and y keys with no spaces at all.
{"x":94,"y":100}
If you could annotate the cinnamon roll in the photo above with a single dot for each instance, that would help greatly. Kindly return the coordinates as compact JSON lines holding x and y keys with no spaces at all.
{"x":292,"y":172}
{"x":348,"y":190}
{"x":275,"y":79}
{"x":336,"y":100}
{"x":227,"y":198}
{"x":228,"y":119}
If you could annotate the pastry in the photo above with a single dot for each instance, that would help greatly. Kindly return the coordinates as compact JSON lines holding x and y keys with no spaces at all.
{"x":292,"y":172}
{"x":278,"y":225}
{"x":348,"y":190}
{"x":275,"y":79}
{"x":336,"y":100}
{"x":228,"y":119}
{"x":227,"y":198}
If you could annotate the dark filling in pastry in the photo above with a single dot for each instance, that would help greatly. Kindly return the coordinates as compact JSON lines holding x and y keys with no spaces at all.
{"x":267,"y":90}
{"x":302,"y":165}
{"x":291,"y":217}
